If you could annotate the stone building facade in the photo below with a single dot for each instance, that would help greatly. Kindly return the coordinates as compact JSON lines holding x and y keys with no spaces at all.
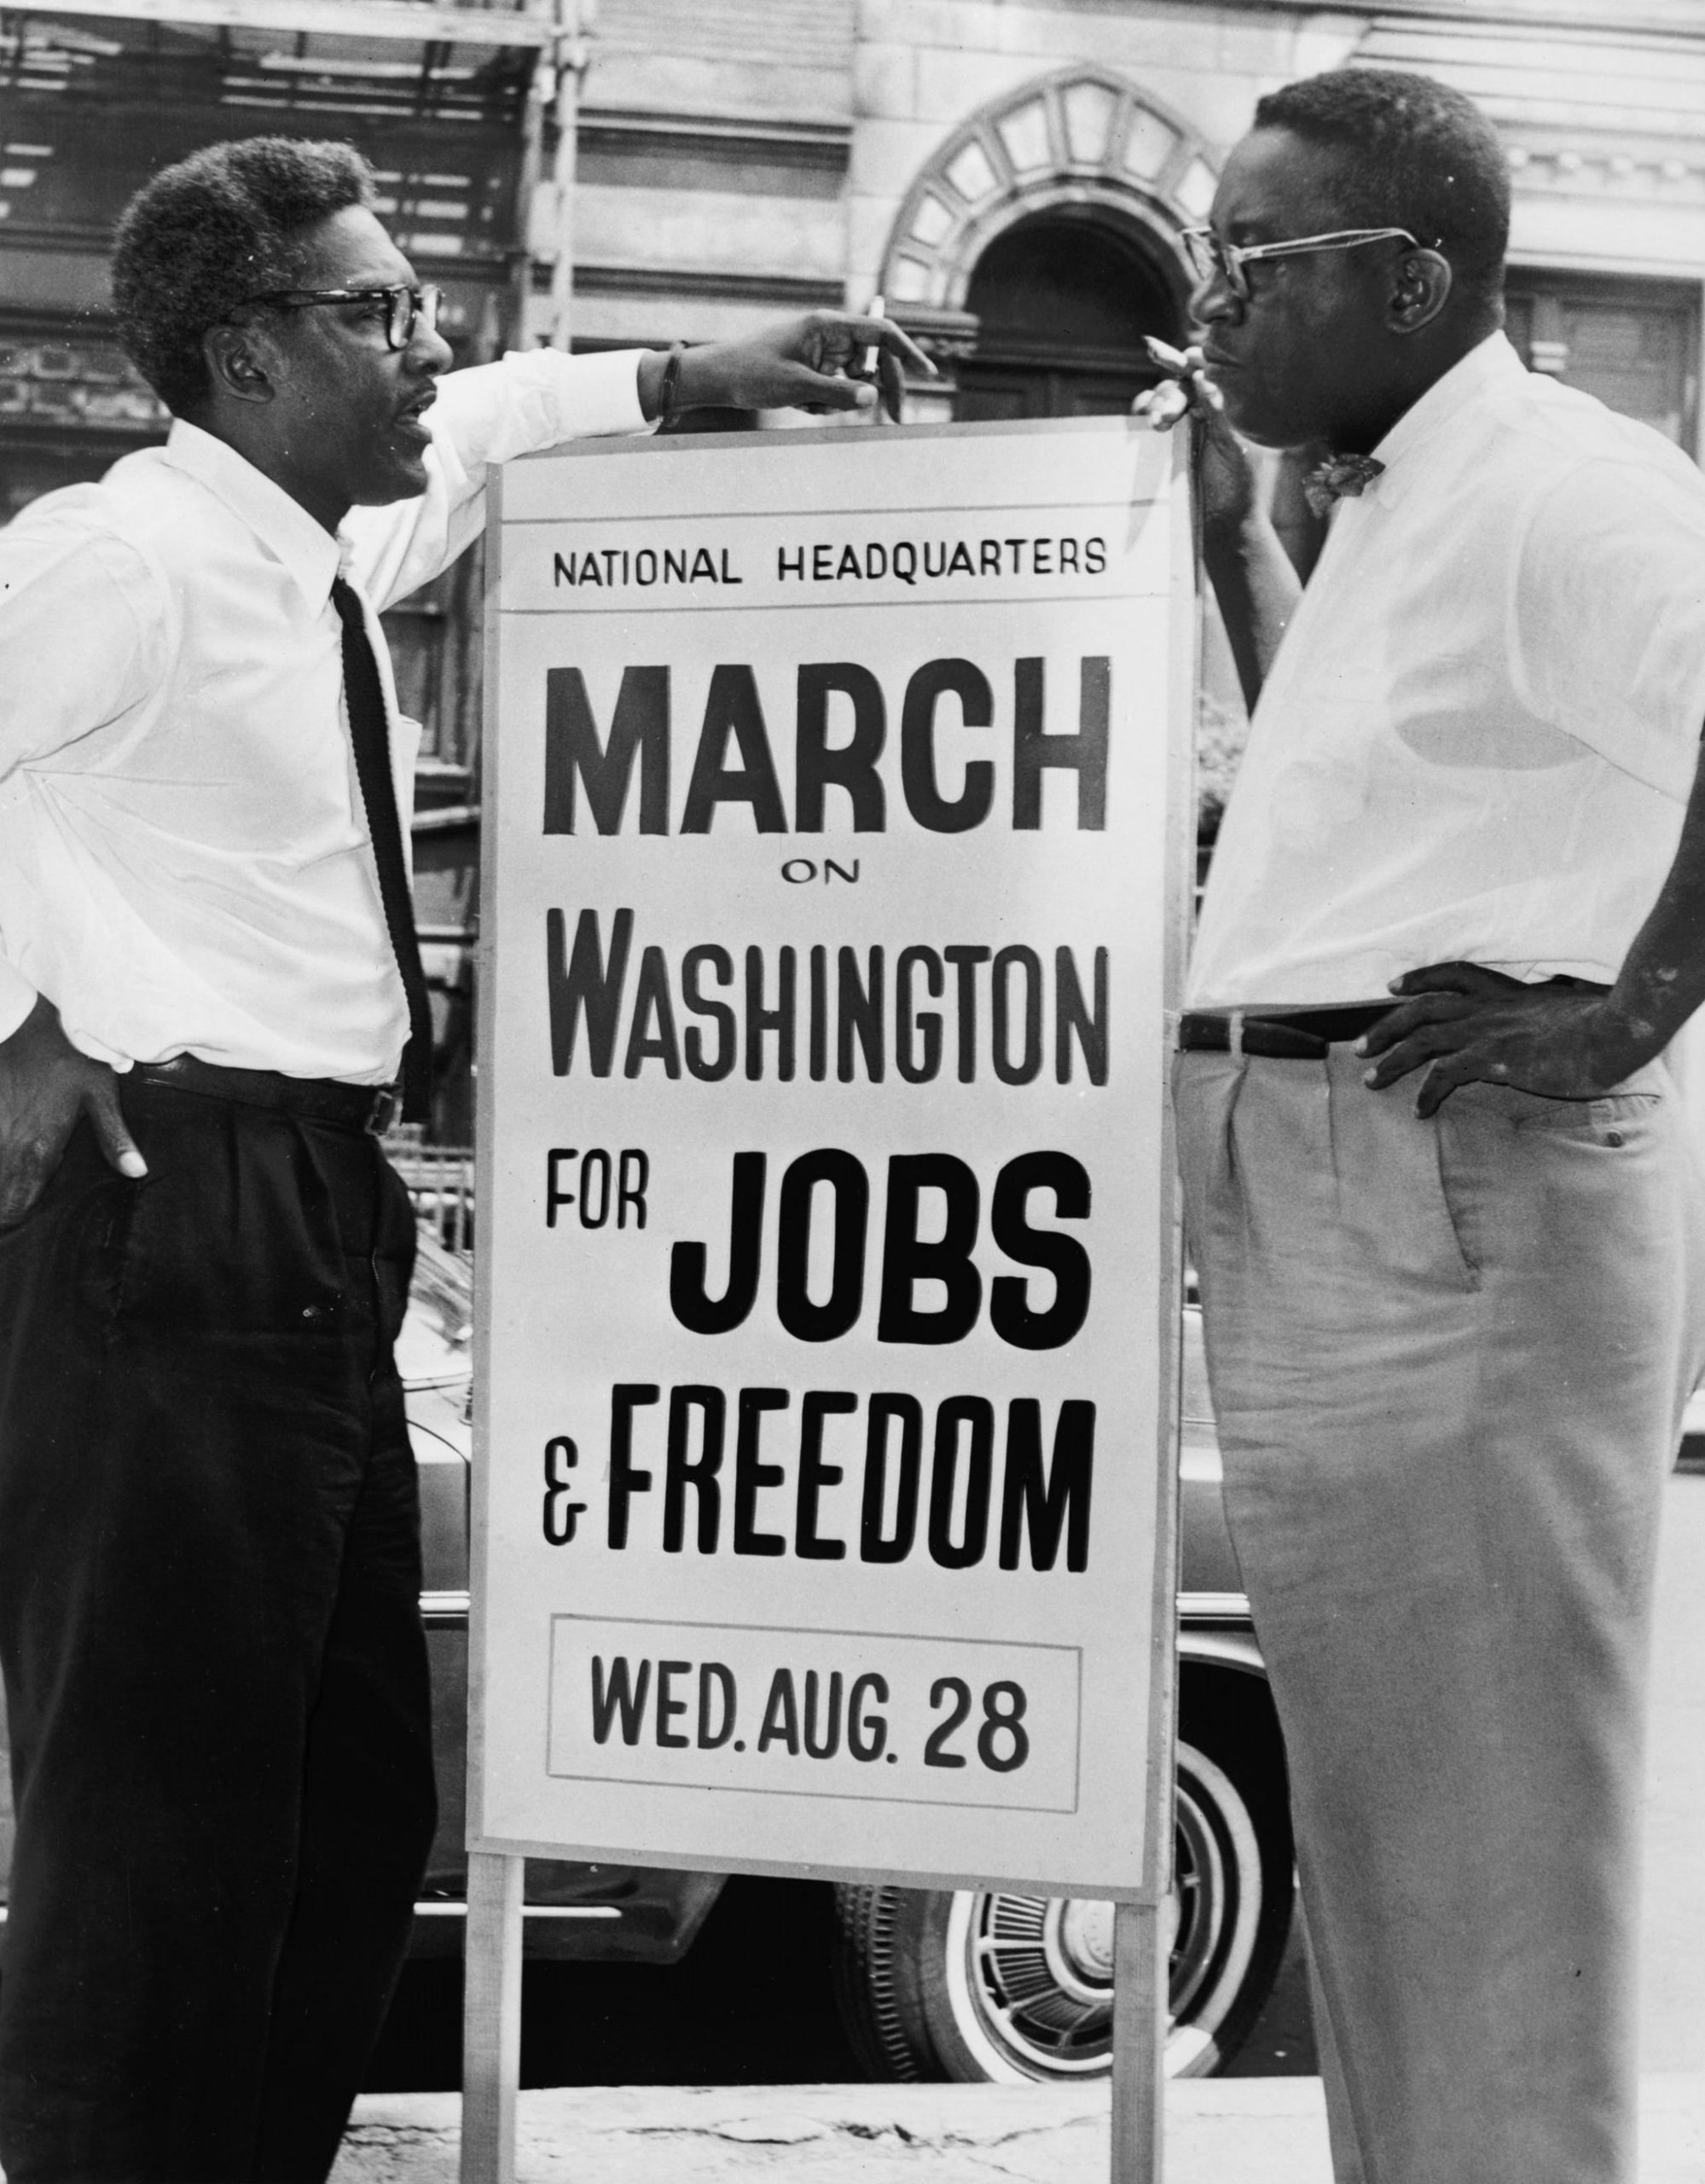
{"x":1012,"y":176}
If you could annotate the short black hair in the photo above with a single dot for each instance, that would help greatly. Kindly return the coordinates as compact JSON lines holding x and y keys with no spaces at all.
{"x":1422,"y":156}
{"x":204,"y":235}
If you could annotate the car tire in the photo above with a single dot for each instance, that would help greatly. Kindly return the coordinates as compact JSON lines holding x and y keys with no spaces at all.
{"x":978,"y":1984}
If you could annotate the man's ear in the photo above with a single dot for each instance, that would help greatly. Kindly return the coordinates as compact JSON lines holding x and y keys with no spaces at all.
{"x":240,"y":363}
{"x":1420,"y":289}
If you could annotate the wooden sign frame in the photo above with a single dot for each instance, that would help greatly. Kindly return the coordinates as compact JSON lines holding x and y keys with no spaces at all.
{"x":494,"y":1924}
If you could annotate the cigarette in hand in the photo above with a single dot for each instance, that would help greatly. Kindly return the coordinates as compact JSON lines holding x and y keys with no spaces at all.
{"x":1184,"y":389}
{"x":870,"y":371}
{"x":1169,"y":358}
{"x":872,"y":356}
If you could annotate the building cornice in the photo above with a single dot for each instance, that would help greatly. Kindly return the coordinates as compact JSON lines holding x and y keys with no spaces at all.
{"x":784,"y":291}
{"x":423,"y":23}
{"x":1679,"y":18}
{"x":730,"y":137}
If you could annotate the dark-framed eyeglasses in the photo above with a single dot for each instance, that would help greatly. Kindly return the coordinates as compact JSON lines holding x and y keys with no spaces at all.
{"x":407,"y":310}
{"x":1211,"y":258}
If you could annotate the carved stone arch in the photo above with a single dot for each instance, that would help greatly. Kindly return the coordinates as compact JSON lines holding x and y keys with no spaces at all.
{"x":1083,"y":136}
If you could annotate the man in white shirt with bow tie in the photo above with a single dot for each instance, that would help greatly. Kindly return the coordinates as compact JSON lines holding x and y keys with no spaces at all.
{"x":1451,"y":1317}
{"x":209,"y":983}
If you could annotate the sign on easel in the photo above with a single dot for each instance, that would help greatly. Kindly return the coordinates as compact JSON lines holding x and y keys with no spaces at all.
{"x":835,"y":840}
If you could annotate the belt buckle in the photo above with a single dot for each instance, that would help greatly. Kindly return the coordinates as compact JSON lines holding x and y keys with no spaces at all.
{"x":383,"y":1112}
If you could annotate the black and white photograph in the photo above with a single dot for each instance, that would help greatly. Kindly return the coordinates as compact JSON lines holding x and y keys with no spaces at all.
{"x":852,"y":1092}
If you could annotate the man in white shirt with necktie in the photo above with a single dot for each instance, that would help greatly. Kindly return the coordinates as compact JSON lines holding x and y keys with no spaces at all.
{"x":1451,"y":1317}
{"x":209,"y":983}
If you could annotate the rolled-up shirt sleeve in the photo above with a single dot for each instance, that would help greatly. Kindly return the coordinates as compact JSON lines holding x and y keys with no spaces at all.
{"x":76,"y":646}
{"x":529,"y":400}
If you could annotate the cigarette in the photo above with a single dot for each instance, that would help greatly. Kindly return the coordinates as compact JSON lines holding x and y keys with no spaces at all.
{"x":1165,"y":404}
{"x":872,"y":355}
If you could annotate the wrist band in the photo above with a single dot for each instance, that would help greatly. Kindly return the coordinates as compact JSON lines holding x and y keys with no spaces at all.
{"x":672,"y":374}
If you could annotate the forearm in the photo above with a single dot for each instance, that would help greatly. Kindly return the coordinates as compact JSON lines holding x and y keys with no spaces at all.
{"x":1662,"y":978}
{"x":701,"y":379}
{"x":1257,"y":590}
{"x":1461,"y":1023}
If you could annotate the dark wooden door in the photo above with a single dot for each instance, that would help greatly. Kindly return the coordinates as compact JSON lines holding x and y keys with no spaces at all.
{"x":1063,"y":301}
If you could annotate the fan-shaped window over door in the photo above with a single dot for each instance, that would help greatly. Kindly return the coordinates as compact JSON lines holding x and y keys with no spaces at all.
{"x":1063,"y":300}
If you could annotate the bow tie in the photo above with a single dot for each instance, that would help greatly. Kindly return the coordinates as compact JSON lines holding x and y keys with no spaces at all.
{"x":1339,"y":477}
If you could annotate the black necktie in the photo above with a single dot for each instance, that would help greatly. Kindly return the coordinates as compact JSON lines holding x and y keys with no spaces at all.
{"x":369,"y":734}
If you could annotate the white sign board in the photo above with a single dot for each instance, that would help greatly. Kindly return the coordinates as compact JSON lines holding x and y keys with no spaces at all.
{"x":833,"y":866}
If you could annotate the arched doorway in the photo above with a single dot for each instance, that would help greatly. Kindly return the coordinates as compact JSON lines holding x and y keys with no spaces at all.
{"x":1041,"y":242}
{"x":1062,"y":299}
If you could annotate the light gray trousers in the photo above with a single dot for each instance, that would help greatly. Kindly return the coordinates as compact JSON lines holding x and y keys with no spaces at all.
{"x":1447,"y":1360}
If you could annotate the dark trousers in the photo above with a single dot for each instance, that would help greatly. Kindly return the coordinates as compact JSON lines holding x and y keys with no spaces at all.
{"x":214,"y":1666}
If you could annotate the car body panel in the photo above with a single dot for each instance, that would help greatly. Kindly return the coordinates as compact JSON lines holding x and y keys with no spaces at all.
{"x":658,"y":1911}
{"x":640,"y":1913}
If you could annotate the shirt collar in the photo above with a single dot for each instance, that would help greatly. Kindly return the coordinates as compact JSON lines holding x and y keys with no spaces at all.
{"x":282,"y":525}
{"x":1490,"y":364}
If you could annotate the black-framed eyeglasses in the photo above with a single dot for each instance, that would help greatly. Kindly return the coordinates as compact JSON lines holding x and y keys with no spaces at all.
{"x":1212,"y":259}
{"x":407,"y":310}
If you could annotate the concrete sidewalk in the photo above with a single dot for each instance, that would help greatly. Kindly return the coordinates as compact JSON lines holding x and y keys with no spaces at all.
{"x":1219,"y":2131}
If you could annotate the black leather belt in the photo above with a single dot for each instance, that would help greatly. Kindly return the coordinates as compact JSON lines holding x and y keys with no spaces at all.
{"x":1278,"y":1035}
{"x":369,"y":1107}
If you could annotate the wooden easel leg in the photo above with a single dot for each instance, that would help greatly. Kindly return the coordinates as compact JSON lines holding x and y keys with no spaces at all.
{"x":491,"y":2018}
{"x":1140,"y":2023}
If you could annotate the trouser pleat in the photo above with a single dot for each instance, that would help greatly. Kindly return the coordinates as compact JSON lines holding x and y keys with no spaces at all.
{"x":1447,"y":1359}
{"x":215,"y":1672}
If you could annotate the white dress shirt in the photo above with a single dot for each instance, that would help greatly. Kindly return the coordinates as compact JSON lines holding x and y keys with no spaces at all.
{"x":1478,"y":735}
{"x":184,"y":863}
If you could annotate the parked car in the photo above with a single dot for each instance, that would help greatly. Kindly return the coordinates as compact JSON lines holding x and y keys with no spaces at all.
{"x":972,"y":1983}
{"x":968,"y":1983}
